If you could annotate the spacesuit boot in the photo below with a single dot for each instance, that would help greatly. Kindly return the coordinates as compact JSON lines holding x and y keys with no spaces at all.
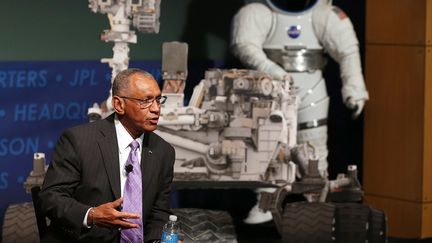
{"x":257,"y":215}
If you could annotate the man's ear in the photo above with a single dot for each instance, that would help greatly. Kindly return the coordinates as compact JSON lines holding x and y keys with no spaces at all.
{"x":118,"y":104}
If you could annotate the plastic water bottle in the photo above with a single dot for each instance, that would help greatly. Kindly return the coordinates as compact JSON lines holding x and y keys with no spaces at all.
{"x":171,"y":230}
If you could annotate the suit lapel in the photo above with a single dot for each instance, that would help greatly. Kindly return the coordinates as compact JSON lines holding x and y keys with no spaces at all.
{"x":110,"y":154}
{"x":147,"y":164}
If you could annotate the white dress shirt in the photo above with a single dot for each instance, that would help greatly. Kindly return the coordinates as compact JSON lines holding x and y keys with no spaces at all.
{"x":123,"y":141}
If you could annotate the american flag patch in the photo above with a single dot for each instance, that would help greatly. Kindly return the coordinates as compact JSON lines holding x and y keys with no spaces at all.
{"x":340,"y":13}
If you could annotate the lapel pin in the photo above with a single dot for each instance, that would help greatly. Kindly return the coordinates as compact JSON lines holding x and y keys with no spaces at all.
{"x":150,"y":152}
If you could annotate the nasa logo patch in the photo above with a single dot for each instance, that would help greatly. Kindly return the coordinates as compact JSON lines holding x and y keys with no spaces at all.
{"x":294,"y":31}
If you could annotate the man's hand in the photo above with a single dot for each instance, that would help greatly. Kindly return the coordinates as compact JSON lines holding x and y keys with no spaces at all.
{"x":107,"y":215}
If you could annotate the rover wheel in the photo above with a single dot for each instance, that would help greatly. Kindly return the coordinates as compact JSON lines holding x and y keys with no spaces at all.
{"x":19,"y":224}
{"x":205,"y":226}
{"x":377,"y":232}
{"x":308,"y":222}
{"x":352,"y":222}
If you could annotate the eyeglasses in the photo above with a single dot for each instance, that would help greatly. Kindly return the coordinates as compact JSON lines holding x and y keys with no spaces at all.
{"x":147,"y":102}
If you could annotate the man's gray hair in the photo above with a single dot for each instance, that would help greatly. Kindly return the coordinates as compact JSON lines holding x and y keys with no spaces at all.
{"x":122,"y":81}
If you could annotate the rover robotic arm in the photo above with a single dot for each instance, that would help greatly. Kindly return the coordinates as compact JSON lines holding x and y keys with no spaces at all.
{"x":142,"y":14}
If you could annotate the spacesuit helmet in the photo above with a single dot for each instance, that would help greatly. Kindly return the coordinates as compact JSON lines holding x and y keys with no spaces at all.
{"x":292,"y":5}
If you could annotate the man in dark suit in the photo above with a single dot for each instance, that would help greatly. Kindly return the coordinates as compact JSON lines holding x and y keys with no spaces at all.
{"x":84,"y":193}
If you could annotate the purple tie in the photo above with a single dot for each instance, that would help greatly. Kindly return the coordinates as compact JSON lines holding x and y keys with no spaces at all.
{"x":132,"y":196}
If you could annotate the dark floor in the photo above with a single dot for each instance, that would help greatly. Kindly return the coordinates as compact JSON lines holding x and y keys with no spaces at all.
{"x":267,"y":233}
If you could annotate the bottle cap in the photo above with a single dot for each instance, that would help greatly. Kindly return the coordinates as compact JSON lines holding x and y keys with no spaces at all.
{"x":173,"y":218}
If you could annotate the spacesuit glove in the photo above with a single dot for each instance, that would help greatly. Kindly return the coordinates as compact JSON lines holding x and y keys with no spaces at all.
{"x":355,"y":105}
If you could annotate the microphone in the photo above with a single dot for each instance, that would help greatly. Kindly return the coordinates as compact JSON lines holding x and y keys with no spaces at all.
{"x":129,"y":168}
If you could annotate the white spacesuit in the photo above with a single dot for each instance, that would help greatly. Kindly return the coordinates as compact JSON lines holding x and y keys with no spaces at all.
{"x":288,"y":39}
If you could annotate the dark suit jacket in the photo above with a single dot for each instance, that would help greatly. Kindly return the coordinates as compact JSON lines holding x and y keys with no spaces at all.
{"x":84,"y":172}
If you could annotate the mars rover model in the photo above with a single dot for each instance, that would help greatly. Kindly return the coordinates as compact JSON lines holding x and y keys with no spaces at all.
{"x":240,"y":129}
